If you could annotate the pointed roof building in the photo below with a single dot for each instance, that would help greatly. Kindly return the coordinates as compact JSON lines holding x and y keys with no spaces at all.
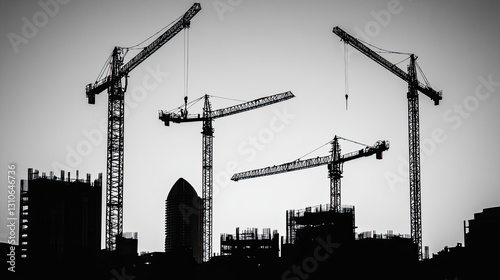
{"x":183,"y":221}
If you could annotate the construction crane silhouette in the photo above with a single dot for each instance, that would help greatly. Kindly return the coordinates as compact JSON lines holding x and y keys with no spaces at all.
{"x":414,"y":86}
{"x":116,"y":97}
{"x":334,"y":161}
{"x":207,"y":153}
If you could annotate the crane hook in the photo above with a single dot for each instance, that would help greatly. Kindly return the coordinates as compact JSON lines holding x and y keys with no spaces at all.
{"x":184,"y":111}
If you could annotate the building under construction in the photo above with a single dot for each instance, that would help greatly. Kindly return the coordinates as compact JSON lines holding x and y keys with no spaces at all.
{"x":303,"y":225}
{"x":249,"y":244}
{"x":60,"y":219}
{"x":324,"y":239}
{"x":305,"y":228}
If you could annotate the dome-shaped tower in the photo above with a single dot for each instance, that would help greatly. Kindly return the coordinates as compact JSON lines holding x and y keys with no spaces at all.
{"x":183,"y":220}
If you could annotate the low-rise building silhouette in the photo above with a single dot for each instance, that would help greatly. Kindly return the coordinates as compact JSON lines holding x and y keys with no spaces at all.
{"x":483,"y":234}
{"x":478,"y":258}
{"x":305,"y":226}
{"x":250,"y":245}
{"x":127,"y":244}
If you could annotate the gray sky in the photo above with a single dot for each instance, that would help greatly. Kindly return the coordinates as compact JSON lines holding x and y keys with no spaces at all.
{"x":246,"y":50}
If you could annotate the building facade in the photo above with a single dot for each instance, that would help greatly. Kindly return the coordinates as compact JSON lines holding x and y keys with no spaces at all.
{"x":60,"y":219}
{"x":183,"y":221}
{"x":250,"y":245}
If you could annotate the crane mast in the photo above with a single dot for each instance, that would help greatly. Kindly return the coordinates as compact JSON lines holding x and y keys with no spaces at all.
{"x":414,"y":158}
{"x":335,"y":174}
{"x":207,"y":179}
{"x":116,"y":108}
{"x":207,"y":150}
{"x":114,"y":162}
{"x":335,"y":166}
{"x":414,"y":86}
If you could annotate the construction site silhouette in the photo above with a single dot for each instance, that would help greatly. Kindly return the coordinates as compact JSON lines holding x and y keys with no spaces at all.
{"x":319,"y":243}
{"x":61,"y":218}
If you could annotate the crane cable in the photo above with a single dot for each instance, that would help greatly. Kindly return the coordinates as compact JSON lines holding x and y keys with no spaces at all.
{"x":228,"y":98}
{"x":339,"y":137}
{"x":330,"y":142}
{"x":106,"y":68}
{"x":136,"y":46}
{"x":184,"y":112}
{"x":346,"y":71}
{"x":381,"y":50}
{"x":189,"y":105}
{"x":186,"y":60}
{"x":423,"y":75}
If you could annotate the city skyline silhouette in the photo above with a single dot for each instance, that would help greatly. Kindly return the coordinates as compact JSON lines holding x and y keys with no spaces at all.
{"x":243,"y":50}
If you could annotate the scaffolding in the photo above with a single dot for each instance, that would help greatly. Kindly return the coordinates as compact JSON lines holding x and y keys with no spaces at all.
{"x":320,"y":220}
{"x":388,"y":235}
{"x":249,"y":244}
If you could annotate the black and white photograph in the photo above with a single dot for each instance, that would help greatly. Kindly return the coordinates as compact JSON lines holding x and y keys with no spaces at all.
{"x":250,"y":139}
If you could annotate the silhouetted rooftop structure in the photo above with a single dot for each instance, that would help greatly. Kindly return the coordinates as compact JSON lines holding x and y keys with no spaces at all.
{"x":477,"y":259}
{"x":250,"y":245}
{"x":127,"y":244}
{"x":484,"y":231}
{"x":60,"y":219}
{"x":320,"y":220}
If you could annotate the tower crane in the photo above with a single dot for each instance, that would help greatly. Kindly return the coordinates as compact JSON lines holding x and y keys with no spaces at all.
{"x":207,"y":153}
{"x":334,"y":161}
{"x":414,"y":86}
{"x":116,"y":107}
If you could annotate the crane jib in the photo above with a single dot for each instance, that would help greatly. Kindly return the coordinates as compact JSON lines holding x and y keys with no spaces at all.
{"x":344,"y":36}
{"x":377,"y":149}
{"x":101,"y":85}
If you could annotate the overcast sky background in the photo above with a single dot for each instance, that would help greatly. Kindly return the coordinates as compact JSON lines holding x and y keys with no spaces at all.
{"x":246,"y":50}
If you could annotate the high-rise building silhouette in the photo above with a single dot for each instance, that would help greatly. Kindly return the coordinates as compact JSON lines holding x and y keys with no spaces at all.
{"x":183,"y":221}
{"x":60,"y":219}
